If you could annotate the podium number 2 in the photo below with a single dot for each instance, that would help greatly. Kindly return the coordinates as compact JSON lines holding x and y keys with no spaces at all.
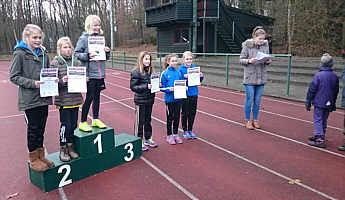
{"x":99,"y":142}
{"x":129,"y":157}
{"x":63,"y":181}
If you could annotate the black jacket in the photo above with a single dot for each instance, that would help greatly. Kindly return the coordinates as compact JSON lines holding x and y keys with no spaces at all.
{"x":138,"y":84}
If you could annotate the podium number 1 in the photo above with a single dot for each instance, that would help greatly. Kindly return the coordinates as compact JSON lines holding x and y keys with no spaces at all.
{"x":63,"y":181}
{"x":99,"y":142}
{"x":129,"y":157}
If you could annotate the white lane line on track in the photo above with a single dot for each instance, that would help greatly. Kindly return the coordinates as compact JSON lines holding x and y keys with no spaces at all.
{"x":54,"y":110}
{"x":241,"y":94}
{"x":272,"y":113}
{"x":260,"y":130}
{"x":172,"y":181}
{"x":181,"y":188}
{"x":240,"y":157}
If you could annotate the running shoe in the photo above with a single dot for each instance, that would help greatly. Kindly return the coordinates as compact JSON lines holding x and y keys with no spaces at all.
{"x":186,"y":134}
{"x":192,"y":134}
{"x":171,"y":139}
{"x":150,"y":143}
{"x":178,"y":139}
{"x":83,"y":126}
{"x":98,"y":123}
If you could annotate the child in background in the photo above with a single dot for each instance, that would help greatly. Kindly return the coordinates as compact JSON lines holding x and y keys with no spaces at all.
{"x":322,"y":93}
{"x":173,"y":106}
{"x":29,"y":58}
{"x":95,"y":70}
{"x":67,"y":103}
{"x":140,"y":83}
{"x":189,"y":105}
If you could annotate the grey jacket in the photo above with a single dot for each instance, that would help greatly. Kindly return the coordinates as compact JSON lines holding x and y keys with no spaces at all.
{"x":254,"y":73}
{"x":65,"y":98}
{"x":94,"y":69}
{"x":25,"y":70}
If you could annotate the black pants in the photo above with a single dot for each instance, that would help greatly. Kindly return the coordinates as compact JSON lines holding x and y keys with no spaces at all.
{"x":143,"y":121}
{"x":36,"y":119}
{"x":173,"y":117}
{"x":189,"y":106}
{"x":94,"y":88}
{"x":69,"y":121}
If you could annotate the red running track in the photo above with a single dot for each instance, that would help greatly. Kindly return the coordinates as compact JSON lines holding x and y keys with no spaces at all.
{"x":226,"y":162}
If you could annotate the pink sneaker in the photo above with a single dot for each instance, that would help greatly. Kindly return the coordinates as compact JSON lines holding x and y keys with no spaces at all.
{"x":171,"y":139}
{"x":178,"y":139}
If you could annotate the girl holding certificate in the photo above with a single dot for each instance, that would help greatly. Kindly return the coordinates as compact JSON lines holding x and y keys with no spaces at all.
{"x":67,"y":103}
{"x":189,"y":105}
{"x":29,"y":58}
{"x":95,"y":69}
{"x":255,"y":74}
{"x":140,"y":84}
{"x":173,"y":106}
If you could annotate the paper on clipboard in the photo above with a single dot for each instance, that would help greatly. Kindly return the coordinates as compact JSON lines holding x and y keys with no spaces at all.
{"x":180,"y":89}
{"x":50,"y":86}
{"x":96,"y":44}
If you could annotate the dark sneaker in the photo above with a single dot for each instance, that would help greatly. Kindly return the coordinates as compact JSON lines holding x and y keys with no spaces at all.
{"x":341,"y":148}
{"x":311,"y":138}
{"x":150,"y":143}
{"x":318,"y":142}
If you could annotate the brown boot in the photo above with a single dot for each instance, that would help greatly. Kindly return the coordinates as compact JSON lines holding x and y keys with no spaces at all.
{"x":71,"y":151}
{"x":256,"y":124}
{"x":248,"y":124}
{"x":35,"y":163}
{"x":64,"y":156}
{"x":49,"y":163}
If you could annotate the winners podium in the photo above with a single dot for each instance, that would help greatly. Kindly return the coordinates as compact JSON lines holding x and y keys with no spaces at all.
{"x":99,"y":150}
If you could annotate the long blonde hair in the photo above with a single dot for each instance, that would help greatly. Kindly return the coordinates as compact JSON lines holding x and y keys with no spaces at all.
{"x":140,"y":64}
{"x":62,"y":41}
{"x":89,"y":22}
{"x":166,"y":60}
{"x":30,"y":29}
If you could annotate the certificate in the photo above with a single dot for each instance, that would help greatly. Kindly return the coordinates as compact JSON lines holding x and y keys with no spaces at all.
{"x":76,"y":79}
{"x":180,"y":89}
{"x":193,"y":76}
{"x":50,"y":86}
{"x":155,"y":77}
{"x":262,"y":56}
{"x":96,"y":44}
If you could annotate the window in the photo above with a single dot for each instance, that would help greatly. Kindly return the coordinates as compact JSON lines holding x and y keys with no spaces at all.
{"x":181,"y":36}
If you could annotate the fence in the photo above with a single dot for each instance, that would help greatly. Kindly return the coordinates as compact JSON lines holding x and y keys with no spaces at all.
{"x":221,"y":69}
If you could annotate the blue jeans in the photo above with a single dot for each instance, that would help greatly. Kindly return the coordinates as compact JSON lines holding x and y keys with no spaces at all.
{"x":253,"y":97}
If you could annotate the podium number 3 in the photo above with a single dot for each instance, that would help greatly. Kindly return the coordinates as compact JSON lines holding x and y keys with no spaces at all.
{"x":63,"y":181}
{"x":129,"y":157}
{"x":99,"y":142}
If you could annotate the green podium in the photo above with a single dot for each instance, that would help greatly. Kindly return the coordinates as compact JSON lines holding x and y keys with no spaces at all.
{"x":99,"y":150}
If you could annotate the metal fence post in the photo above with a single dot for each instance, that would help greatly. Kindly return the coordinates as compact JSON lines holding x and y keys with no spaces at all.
{"x":227,"y":69}
{"x":112,"y":59}
{"x":124,"y":60}
{"x":288,"y":76}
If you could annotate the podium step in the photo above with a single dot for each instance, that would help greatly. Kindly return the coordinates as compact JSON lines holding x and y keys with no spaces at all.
{"x":95,"y":142}
{"x":126,"y":149}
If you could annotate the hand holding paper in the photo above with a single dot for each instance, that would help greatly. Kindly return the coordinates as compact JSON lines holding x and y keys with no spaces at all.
{"x":263,"y":56}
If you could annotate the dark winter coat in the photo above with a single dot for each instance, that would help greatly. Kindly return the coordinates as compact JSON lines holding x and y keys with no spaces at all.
{"x":26,"y":68}
{"x":65,"y":98}
{"x":139,"y":85}
{"x":324,"y":88}
{"x":95,"y":69}
{"x":254,"y":73}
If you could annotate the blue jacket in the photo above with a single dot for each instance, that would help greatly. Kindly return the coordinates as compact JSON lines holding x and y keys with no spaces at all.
{"x":167,"y":79}
{"x":192,"y":90}
{"x":343,"y":92}
{"x":324,"y":88}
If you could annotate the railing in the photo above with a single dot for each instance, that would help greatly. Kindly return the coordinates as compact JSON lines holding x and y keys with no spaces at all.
{"x":121,"y":58}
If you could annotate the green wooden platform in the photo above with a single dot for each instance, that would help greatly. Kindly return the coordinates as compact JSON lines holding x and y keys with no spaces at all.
{"x":99,"y":150}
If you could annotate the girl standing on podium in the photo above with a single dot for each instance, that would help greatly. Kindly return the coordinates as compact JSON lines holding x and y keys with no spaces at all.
{"x":140,"y":84}
{"x":95,"y":71}
{"x":67,"y":103}
{"x":29,"y":58}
